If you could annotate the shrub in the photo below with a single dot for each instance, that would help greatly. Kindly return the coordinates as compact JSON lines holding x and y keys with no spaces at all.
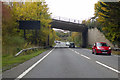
{"x":12,"y":44}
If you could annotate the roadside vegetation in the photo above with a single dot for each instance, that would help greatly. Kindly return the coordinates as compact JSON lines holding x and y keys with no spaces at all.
{"x":9,"y":61}
{"x":116,"y":52}
{"x":13,"y":38}
{"x":107,"y":20}
{"x":62,"y":36}
{"x":76,"y":37}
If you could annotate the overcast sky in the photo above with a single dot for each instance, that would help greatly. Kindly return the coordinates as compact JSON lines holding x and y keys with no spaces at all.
{"x":74,"y":9}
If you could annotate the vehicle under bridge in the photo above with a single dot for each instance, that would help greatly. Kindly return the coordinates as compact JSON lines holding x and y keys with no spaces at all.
{"x":75,"y":27}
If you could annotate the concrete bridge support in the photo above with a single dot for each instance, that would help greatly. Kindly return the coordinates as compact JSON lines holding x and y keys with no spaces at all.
{"x":94,"y":35}
{"x":85,"y":38}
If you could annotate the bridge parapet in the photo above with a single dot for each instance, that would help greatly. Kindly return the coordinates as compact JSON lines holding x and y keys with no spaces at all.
{"x":67,"y":19}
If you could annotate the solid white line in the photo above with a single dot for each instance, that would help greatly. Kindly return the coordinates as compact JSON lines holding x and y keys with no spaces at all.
{"x":29,"y":69}
{"x":108,"y":67}
{"x":85,"y":56}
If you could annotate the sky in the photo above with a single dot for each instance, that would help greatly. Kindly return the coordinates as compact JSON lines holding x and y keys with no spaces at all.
{"x":73,"y":9}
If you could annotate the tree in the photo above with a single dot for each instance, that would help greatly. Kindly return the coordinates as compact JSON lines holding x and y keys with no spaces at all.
{"x":108,"y":15}
{"x":11,"y":40}
{"x":77,"y":38}
{"x":34,"y":11}
{"x":28,"y":11}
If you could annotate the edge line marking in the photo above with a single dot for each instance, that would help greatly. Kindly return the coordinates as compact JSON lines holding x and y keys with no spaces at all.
{"x":30,"y":68}
{"x":107,"y":67}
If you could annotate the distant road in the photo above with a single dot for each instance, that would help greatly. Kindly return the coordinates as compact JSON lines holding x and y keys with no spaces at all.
{"x":67,"y":63}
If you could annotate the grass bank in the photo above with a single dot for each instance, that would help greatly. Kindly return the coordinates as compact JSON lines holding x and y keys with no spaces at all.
{"x":116,"y":52}
{"x":89,"y":48}
{"x":10,"y":61}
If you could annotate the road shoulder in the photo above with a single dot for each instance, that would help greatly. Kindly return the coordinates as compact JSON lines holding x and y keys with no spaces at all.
{"x":16,"y":71}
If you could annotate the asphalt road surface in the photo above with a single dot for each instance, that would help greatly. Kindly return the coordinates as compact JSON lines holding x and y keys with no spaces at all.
{"x":64,"y":62}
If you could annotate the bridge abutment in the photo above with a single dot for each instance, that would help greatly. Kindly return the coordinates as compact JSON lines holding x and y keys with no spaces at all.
{"x":85,"y":38}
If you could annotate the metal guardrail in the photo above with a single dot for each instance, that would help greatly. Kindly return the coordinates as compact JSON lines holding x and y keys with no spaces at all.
{"x":26,"y":50}
{"x":116,"y":49}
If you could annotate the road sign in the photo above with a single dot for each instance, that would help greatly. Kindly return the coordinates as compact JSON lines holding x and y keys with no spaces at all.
{"x":29,"y":24}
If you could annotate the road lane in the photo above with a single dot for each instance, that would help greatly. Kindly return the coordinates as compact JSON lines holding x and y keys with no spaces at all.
{"x":106,"y":59}
{"x":63,"y":63}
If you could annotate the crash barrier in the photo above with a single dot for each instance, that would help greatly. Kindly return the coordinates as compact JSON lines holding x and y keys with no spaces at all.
{"x":28,"y":49}
{"x":116,"y":49}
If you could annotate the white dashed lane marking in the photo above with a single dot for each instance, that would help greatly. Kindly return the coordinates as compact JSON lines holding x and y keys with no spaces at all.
{"x":85,"y":56}
{"x":104,"y":65}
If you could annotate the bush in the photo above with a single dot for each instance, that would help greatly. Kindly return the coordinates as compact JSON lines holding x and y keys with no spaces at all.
{"x":12,"y":44}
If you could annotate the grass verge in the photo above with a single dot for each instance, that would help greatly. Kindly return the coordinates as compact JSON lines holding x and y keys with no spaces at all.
{"x":9,"y":61}
{"x":89,"y":48}
{"x":116,"y":52}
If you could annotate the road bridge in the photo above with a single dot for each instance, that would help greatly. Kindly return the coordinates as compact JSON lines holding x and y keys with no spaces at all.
{"x":76,"y":27}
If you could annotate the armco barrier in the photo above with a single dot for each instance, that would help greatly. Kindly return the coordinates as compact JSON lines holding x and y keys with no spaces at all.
{"x":27,"y":49}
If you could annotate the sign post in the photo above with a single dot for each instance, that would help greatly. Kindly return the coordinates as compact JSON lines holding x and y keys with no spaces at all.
{"x":29,"y":25}
{"x":24,"y":34}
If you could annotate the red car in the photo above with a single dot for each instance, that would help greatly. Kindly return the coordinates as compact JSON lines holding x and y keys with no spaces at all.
{"x":101,"y":48}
